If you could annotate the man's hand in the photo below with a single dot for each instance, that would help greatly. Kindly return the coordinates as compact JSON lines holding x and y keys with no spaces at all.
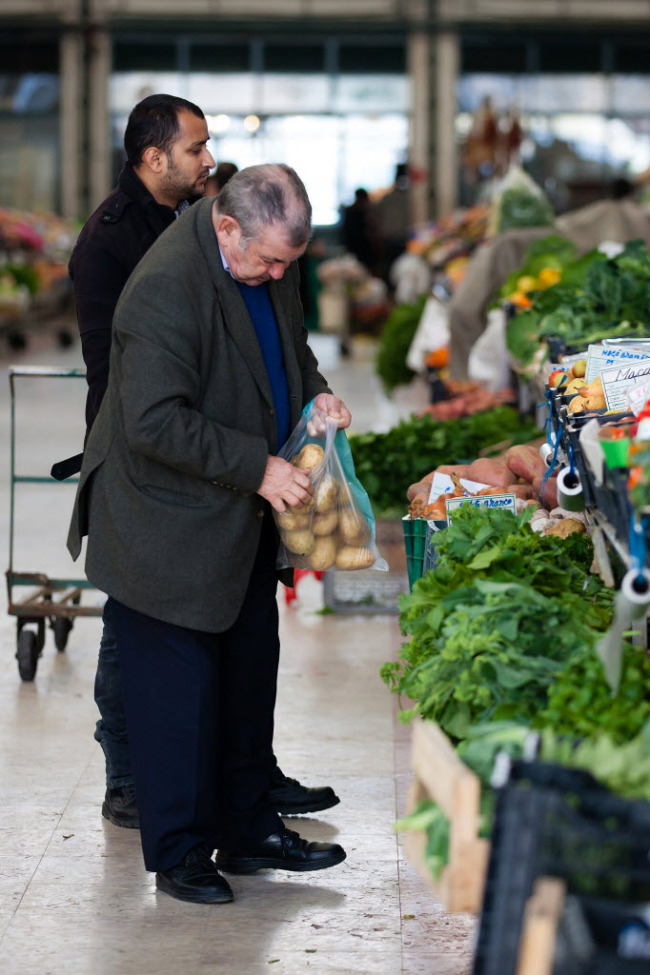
{"x":284,"y":486}
{"x":334,"y":408}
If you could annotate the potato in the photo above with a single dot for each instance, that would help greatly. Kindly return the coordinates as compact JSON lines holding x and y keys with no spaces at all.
{"x":354,"y":558}
{"x":565,"y":527}
{"x":300,"y":542}
{"x":293,"y":519}
{"x":325,"y":523}
{"x":353,"y":527}
{"x":309,"y":457}
{"x":323,"y":554}
{"x":325,"y":493}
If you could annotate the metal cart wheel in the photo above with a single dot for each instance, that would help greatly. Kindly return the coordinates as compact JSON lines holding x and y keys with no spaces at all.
{"x":27,"y":654}
{"x":61,"y":626}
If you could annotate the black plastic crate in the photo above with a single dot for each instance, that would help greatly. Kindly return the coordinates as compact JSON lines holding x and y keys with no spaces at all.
{"x":593,"y":939}
{"x":557,"y":822}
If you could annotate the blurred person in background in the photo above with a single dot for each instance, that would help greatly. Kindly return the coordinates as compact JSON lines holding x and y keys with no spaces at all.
{"x":166,"y":169}
{"x":359,"y":230}
{"x":218,"y":179}
{"x":393,"y":220}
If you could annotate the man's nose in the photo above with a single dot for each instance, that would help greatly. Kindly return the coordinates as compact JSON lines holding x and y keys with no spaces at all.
{"x":208,"y":159}
{"x":277,"y":271}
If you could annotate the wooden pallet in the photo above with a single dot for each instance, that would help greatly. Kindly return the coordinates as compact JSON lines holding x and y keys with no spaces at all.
{"x":439,"y":774}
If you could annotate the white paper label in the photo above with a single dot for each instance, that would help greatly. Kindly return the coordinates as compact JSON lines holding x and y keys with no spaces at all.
{"x":620,"y":379}
{"x":443,"y":484}
{"x":638,"y":397}
{"x":602,"y":357}
{"x":506,"y":502}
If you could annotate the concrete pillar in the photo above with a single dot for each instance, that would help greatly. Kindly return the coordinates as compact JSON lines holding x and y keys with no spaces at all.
{"x":445,"y":156}
{"x":70,"y":74}
{"x":99,"y":148}
{"x":419,"y":70}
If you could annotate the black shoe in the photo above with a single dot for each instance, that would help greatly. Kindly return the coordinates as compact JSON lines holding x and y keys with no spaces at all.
{"x":290,"y":798}
{"x":285,"y":850}
{"x":195,"y":879}
{"x":119,"y":807}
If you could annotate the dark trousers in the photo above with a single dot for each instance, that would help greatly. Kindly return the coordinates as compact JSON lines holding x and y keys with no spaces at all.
{"x":199,"y":712}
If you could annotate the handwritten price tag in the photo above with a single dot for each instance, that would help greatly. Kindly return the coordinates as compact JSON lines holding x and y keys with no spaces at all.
{"x":618,"y":381}
{"x":602,"y":357}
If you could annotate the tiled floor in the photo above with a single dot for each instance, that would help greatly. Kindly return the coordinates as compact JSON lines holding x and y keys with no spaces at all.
{"x":74,"y":896}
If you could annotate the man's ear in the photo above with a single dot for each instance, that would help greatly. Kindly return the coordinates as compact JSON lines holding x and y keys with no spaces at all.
{"x":154,"y":159}
{"x":227,"y":225}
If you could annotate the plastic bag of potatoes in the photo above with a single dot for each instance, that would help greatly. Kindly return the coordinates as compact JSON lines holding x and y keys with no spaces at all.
{"x":336,"y":530}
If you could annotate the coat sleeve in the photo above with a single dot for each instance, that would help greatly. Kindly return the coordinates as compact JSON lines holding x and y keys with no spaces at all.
{"x":157,"y":337}
{"x":98,"y":277}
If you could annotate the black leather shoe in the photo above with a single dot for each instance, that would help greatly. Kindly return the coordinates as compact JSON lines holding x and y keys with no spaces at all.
{"x":120,"y":809}
{"x":285,"y":850}
{"x":195,"y":879}
{"x":290,"y":798}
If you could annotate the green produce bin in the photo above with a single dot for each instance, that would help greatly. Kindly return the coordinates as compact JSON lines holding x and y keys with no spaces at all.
{"x":416,"y":532}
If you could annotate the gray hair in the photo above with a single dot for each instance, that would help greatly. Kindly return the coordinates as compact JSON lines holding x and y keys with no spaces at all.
{"x":262,"y":196}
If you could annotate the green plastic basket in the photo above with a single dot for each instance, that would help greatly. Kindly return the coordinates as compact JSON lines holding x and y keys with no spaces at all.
{"x":415,"y":543}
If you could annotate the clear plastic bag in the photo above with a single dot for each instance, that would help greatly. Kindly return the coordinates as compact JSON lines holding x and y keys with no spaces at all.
{"x":337,"y":529}
{"x":519,"y":202}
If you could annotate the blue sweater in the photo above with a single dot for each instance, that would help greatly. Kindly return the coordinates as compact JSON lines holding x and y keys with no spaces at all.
{"x":260,"y":308}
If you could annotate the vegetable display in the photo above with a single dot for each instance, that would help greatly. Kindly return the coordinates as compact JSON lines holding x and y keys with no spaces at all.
{"x":394,"y":343}
{"x":386,"y":462}
{"x":494,"y":625}
{"x":501,"y":639}
{"x":597,"y":298}
{"x":542,"y":267}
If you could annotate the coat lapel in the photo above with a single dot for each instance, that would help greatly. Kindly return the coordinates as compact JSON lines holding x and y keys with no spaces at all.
{"x":235,"y":314}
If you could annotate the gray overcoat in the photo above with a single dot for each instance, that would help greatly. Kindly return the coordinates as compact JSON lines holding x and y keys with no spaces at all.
{"x":167,"y":491}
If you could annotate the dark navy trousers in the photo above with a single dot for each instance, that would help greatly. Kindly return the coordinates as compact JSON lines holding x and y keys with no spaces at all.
{"x":199,"y":713}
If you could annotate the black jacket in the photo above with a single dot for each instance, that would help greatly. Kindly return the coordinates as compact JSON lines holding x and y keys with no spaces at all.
{"x":112,"y":242}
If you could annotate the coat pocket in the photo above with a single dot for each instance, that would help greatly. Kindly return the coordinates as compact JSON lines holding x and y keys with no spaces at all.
{"x":169,"y":496}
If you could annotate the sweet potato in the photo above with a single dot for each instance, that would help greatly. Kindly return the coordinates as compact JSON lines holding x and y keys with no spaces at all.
{"x":525,"y":492}
{"x":492,"y":471}
{"x":546,"y":491}
{"x":524,"y":461}
{"x":420,"y":487}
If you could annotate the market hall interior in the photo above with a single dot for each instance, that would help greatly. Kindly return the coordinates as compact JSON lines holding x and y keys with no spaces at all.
{"x":74,"y":895}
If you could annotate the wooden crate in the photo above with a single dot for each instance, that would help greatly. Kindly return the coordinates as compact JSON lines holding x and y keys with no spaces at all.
{"x":543,"y":912}
{"x":439,"y":774}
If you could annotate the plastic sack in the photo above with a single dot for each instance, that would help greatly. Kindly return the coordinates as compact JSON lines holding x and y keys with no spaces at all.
{"x":519,"y":202}
{"x":432,"y":333}
{"x":337,"y":529}
{"x":488,"y":357}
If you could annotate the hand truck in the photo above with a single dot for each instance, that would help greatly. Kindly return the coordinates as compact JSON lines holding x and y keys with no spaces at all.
{"x":57,"y":601}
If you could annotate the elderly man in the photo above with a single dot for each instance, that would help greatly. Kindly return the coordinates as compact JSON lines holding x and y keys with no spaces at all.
{"x":210,"y":369}
{"x":167,"y":166}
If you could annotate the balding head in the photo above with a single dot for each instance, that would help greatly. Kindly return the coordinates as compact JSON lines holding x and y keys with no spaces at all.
{"x":264,"y":197}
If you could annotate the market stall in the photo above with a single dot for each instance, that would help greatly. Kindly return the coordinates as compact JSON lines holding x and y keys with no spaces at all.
{"x":526,"y":659}
{"x":35,"y":291}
